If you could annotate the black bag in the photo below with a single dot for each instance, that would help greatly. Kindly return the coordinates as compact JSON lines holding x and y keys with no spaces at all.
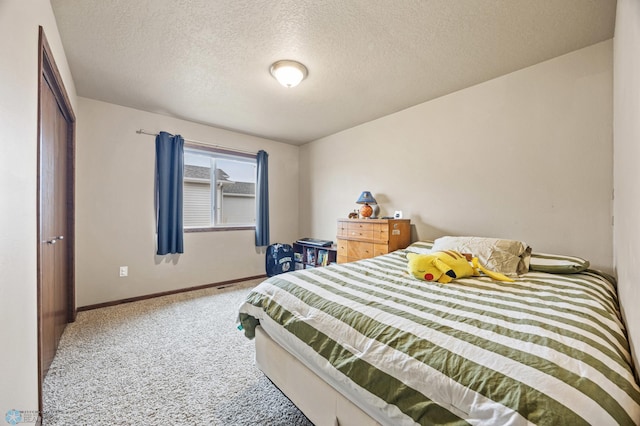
{"x":279,"y":259}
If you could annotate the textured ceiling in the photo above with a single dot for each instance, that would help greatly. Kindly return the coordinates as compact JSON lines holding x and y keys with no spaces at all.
{"x":208,"y":60}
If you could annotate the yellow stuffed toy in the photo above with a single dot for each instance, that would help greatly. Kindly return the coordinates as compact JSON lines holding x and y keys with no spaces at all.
{"x":444,"y":266}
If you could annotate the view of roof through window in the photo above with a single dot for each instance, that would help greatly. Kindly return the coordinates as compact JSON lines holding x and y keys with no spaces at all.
{"x":218,"y":190}
{"x":234,"y":170}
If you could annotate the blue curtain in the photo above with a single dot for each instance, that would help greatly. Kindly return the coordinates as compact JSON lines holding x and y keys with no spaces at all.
{"x":262,"y":200}
{"x":169,"y":176}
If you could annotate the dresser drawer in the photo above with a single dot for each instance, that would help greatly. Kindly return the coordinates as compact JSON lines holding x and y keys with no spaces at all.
{"x":380,"y":249}
{"x":342,"y":247}
{"x":361,"y":231}
{"x":381,"y":233}
{"x":359,"y":250}
{"x":342,"y":229}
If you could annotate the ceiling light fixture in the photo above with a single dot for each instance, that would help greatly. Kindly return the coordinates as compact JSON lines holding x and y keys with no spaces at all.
{"x":288,"y":73}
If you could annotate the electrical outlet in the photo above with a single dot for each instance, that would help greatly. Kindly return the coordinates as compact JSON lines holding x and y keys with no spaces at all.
{"x":124,"y":271}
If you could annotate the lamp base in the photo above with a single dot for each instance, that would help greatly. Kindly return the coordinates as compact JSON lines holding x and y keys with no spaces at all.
{"x":366,"y":211}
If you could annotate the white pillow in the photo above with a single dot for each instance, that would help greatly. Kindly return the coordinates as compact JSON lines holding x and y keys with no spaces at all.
{"x":509,"y":257}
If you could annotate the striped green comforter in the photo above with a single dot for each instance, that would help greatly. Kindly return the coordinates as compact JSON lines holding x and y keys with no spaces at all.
{"x":547,"y":349}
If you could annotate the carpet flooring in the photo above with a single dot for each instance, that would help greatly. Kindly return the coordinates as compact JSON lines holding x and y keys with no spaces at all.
{"x":172,"y":360}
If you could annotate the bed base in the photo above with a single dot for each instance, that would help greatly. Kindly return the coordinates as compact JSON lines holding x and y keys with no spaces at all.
{"x":319,"y":401}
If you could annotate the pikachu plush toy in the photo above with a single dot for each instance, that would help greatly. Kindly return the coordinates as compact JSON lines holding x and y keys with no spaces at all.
{"x":444,"y":266}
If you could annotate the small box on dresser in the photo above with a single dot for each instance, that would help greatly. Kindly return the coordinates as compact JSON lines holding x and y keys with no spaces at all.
{"x":365,"y":238}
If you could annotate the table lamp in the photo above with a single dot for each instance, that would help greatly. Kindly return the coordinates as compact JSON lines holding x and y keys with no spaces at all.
{"x":365,"y":198}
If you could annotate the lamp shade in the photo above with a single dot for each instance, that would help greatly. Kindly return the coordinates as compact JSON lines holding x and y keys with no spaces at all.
{"x":366,"y":198}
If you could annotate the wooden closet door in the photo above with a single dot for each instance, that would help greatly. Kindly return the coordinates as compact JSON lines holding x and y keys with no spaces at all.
{"x":53,"y":225}
{"x":56,"y":201}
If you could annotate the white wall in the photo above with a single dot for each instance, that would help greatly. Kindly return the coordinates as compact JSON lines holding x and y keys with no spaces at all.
{"x":626,"y":129}
{"x":526,"y":156}
{"x":551,"y":141}
{"x":115,"y":223}
{"x":19,"y":20}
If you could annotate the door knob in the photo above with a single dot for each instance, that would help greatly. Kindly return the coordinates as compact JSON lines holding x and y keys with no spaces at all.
{"x":55,"y":239}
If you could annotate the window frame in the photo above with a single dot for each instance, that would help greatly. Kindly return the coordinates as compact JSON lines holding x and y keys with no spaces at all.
{"x":215,"y":150}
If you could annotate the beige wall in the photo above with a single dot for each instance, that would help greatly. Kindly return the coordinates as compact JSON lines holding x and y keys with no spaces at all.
{"x":19,"y":21}
{"x":115,"y":223}
{"x":526,"y":156}
{"x":626,"y":128}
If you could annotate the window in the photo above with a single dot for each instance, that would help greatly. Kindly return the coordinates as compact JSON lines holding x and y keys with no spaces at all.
{"x":219,"y":188}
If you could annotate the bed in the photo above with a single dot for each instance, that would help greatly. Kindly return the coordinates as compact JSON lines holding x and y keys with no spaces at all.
{"x":366,"y":343}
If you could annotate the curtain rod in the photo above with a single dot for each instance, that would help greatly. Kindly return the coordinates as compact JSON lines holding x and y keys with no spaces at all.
{"x":210,"y":145}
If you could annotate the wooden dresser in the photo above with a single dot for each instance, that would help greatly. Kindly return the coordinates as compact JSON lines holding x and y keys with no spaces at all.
{"x":365,"y":238}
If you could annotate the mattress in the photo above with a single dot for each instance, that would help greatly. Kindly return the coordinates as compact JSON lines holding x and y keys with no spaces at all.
{"x":546,"y":349}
